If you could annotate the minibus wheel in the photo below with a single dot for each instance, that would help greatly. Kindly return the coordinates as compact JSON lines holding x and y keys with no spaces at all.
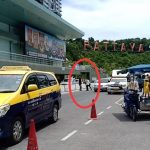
{"x":17,"y":130}
{"x":54,"y":117}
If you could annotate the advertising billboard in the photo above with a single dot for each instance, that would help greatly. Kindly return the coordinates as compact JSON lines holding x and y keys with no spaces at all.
{"x":40,"y":44}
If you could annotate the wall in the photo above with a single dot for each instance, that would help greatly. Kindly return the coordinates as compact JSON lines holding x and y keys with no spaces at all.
{"x":4,"y":45}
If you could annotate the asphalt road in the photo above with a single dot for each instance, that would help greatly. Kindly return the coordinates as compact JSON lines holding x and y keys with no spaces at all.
{"x":113,"y":130}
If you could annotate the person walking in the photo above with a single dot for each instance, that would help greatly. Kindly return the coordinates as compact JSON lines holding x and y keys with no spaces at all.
{"x":88,"y":85}
{"x":80,"y":83}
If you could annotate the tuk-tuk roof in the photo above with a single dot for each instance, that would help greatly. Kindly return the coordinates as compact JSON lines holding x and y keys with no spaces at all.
{"x":142,"y":68}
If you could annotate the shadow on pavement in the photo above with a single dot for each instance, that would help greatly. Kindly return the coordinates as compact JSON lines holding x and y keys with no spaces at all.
{"x":143,"y":117}
{"x":124,"y":118}
{"x":4,"y":144}
{"x":121,"y":117}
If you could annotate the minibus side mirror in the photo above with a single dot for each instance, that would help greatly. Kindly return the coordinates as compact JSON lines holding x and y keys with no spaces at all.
{"x":32,"y":87}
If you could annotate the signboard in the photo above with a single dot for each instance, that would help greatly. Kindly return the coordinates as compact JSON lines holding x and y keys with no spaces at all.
{"x":40,"y":44}
{"x":123,"y":47}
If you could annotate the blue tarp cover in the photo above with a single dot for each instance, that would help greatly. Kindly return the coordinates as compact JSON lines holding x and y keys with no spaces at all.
{"x":139,"y":68}
{"x":142,"y":68}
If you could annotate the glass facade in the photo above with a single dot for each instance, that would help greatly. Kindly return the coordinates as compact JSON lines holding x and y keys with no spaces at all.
{"x":53,"y":5}
{"x":14,"y":49}
{"x":12,"y":33}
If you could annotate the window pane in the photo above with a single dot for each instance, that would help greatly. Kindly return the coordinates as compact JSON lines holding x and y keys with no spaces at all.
{"x":10,"y":83}
{"x":43,"y":81}
{"x":52,"y":80}
{"x":32,"y":80}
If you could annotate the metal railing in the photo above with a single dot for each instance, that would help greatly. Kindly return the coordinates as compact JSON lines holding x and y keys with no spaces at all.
{"x":25,"y":58}
{"x":74,"y":87}
{"x":31,"y":59}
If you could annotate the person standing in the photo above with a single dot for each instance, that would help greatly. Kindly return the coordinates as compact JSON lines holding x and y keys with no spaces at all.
{"x":141,"y":83}
{"x":149,"y":86}
{"x":128,"y":80}
{"x":146,"y":87}
{"x":80,"y":83}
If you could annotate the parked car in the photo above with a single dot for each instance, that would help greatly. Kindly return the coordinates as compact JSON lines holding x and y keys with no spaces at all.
{"x":64,"y":82}
{"x":117,"y":85}
{"x":73,"y":81}
{"x":93,"y":83}
{"x":24,"y":95}
{"x":104,"y":84}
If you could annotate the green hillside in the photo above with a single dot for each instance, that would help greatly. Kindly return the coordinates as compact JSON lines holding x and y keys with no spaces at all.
{"x":109,"y":59}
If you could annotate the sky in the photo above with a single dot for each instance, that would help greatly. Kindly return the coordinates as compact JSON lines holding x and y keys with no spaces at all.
{"x":109,"y":19}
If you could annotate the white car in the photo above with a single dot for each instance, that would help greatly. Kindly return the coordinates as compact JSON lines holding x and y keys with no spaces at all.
{"x":117,"y":85}
{"x":104,"y":84}
{"x":65,"y":81}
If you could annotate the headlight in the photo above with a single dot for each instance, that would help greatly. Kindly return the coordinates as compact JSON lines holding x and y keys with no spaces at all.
{"x":4,"y":109}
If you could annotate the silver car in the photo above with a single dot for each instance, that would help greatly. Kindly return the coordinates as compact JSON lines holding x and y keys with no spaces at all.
{"x":104,"y":84}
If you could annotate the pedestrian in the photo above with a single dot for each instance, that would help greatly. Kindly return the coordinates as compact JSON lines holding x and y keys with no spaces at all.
{"x":128,"y":80}
{"x":88,"y":85}
{"x":147,"y":76}
{"x":141,"y":83}
{"x":149,"y":86}
{"x":80,"y":83}
{"x":146,"y":87}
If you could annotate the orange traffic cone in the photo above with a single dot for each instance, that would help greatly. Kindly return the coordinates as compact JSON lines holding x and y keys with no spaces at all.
{"x":93,"y":111}
{"x":32,"y":141}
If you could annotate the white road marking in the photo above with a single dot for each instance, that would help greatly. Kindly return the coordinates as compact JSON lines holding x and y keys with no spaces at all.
{"x":108,"y":107}
{"x":69,"y":135}
{"x":117,"y":102}
{"x":100,"y":113}
{"x":88,"y":122}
